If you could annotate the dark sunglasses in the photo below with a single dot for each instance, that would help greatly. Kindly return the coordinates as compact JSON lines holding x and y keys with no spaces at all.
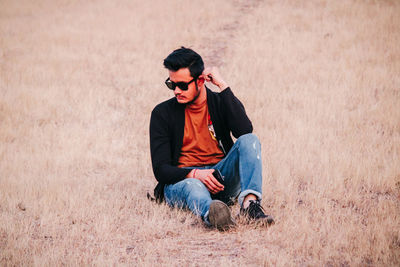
{"x":182,"y":85}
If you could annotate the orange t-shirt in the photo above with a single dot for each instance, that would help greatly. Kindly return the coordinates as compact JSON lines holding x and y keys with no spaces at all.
{"x":199,"y":148}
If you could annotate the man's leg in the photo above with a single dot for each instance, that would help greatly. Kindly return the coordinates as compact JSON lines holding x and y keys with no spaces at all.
{"x":189,"y":193}
{"x":192,"y":194}
{"x":242,"y":168}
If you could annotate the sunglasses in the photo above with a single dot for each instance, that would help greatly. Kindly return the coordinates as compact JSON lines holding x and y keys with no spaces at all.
{"x":182,"y":85}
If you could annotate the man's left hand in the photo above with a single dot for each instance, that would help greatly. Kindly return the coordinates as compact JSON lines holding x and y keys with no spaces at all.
{"x":212,"y":75}
{"x":208,"y":179}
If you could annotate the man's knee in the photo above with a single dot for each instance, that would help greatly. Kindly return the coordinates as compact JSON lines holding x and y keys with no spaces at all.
{"x":249,"y":141}
{"x":249,"y":146}
{"x":194,"y":186}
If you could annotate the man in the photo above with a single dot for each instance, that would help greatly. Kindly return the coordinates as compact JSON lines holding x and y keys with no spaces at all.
{"x":190,"y":138}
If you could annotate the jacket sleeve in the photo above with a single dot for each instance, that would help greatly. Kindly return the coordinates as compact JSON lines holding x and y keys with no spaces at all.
{"x":160,"y":149}
{"x":235,"y":114}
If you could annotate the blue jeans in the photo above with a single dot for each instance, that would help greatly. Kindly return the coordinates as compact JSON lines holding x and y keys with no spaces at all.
{"x":242,"y":168}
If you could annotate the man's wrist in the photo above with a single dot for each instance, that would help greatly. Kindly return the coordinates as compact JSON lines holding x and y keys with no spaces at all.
{"x":191,"y":174}
{"x":222,"y":86}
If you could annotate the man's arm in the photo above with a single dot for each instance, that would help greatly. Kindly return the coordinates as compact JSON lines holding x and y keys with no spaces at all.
{"x":160,"y":148}
{"x":235,"y":114}
{"x":212,"y":75}
{"x":234,"y":111}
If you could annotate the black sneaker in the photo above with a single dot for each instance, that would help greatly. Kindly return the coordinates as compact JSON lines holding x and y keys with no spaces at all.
{"x":256,"y":213}
{"x":219,"y":215}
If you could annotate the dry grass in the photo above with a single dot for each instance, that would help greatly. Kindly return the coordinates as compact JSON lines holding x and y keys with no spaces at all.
{"x":78,"y":80}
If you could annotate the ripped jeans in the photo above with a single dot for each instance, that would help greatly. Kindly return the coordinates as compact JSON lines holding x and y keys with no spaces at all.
{"x":242,"y":168}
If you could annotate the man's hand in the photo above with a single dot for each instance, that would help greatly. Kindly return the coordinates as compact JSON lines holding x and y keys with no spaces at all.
{"x":212,"y":75}
{"x":206,"y":177}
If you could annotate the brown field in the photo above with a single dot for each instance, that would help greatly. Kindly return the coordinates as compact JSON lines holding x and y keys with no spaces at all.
{"x":78,"y":79}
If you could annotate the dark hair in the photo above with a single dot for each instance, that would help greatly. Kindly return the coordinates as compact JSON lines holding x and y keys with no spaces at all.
{"x":185,"y":58}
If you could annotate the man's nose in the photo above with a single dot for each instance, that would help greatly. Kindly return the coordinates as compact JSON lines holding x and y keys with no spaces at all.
{"x":177,"y":90}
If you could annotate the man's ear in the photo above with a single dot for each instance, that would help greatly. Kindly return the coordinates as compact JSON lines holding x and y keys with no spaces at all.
{"x":200,"y":80}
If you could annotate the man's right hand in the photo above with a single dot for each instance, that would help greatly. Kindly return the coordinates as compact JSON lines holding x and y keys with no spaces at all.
{"x":206,"y":177}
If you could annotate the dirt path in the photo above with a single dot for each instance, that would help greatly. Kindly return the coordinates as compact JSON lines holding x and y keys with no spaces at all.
{"x":219,"y":45}
{"x":212,"y":246}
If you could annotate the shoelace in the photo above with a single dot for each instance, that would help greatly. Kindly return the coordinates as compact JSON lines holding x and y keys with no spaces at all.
{"x":255,"y":209}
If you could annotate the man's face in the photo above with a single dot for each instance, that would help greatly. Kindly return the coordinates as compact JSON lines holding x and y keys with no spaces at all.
{"x":183,"y":75}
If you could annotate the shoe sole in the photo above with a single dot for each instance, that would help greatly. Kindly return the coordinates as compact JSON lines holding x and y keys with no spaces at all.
{"x":220,"y":215}
{"x":268,"y":221}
